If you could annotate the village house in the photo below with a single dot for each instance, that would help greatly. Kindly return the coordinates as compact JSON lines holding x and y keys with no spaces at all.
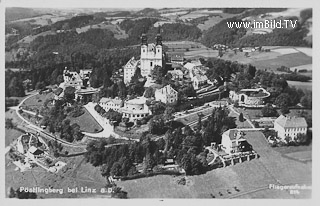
{"x":290,"y":126}
{"x":166,"y":95}
{"x":108,"y":103}
{"x":176,"y":74}
{"x":233,"y":141}
{"x":129,"y":69}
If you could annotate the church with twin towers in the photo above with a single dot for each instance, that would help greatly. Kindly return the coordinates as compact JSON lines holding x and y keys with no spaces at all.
{"x":151,"y":56}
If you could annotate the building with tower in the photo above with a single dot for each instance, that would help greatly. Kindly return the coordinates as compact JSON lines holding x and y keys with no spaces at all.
{"x":151,"y":56}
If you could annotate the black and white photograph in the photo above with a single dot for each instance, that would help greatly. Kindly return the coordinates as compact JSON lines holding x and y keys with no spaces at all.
{"x":164,"y":100}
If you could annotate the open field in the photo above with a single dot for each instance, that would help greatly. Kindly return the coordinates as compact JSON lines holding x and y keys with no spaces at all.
{"x":37,"y":100}
{"x":270,"y":168}
{"x":86,"y":122}
{"x":301,"y":85}
{"x":11,"y":135}
{"x":279,"y":56}
{"x":42,"y":20}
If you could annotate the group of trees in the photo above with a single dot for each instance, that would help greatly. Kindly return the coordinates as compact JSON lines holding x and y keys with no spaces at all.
{"x":180,"y":143}
{"x":55,"y":118}
{"x":110,"y":114}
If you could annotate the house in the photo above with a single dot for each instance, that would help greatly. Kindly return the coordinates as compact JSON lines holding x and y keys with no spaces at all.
{"x":129,"y":69}
{"x":107,"y":103}
{"x":290,"y":126}
{"x":233,"y":141}
{"x":199,"y":80}
{"x":135,"y":109}
{"x":176,"y":74}
{"x":166,"y":95}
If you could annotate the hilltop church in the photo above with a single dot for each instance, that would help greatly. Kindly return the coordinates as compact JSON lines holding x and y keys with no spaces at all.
{"x":151,"y":56}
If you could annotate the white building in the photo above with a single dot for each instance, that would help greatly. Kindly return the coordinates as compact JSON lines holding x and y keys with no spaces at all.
{"x":72,"y":79}
{"x":107,"y":103}
{"x":151,"y":54}
{"x":129,"y":69}
{"x":135,"y":109}
{"x":250,"y":97}
{"x":166,"y":95}
{"x":290,"y":126}
{"x":176,"y":74}
{"x":232,"y":140}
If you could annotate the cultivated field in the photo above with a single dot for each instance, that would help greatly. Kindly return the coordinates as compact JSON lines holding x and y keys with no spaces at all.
{"x":251,"y":178}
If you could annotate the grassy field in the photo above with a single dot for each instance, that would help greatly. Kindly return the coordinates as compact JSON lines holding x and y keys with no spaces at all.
{"x":251,"y":178}
{"x":279,"y":56}
{"x":77,"y":173}
{"x":301,"y":85}
{"x":86,"y":122}
{"x":37,"y":100}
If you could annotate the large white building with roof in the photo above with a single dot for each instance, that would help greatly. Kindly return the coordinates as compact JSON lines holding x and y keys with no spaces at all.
{"x":290,"y":126}
{"x":108,"y":103}
{"x":232,"y":140}
{"x":135,"y":109}
{"x":129,"y":69}
{"x":151,"y":54}
{"x":166,"y":95}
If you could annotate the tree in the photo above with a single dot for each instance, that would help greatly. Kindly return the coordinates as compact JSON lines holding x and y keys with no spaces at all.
{"x":149,"y":92}
{"x":9,"y":123}
{"x":69,"y":94}
{"x":156,"y":125}
{"x":16,"y":88}
{"x":241,"y":119}
{"x":284,"y":110}
{"x":306,"y":100}
{"x":269,"y":111}
{"x":283,"y":100}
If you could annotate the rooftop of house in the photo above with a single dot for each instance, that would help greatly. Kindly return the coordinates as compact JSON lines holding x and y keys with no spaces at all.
{"x":106,"y":100}
{"x":138,"y":100}
{"x":132,"y":62}
{"x":166,"y":89}
{"x":291,"y":122}
{"x":176,"y":72}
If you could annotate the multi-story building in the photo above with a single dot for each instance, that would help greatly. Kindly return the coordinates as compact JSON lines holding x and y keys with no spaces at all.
{"x":166,"y":95}
{"x":151,"y":54}
{"x":135,"y":109}
{"x":290,"y":126}
{"x":233,"y":141}
{"x":107,"y":103}
{"x":129,"y":69}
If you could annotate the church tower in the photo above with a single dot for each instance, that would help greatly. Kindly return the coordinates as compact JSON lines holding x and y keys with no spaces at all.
{"x":151,"y":54}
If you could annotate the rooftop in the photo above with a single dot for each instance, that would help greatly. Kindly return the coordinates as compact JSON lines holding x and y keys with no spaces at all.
{"x":106,"y":100}
{"x":291,"y":122}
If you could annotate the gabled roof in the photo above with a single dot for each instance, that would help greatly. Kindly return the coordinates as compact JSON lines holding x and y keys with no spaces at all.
{"x":291,"y":122}
{"x":106,"y":100}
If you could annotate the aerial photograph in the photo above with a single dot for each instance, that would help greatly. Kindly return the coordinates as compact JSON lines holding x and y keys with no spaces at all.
{"x":158,"y":102}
